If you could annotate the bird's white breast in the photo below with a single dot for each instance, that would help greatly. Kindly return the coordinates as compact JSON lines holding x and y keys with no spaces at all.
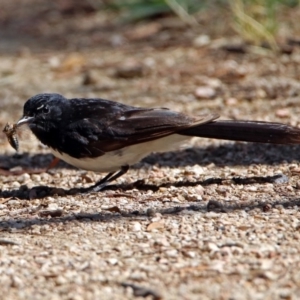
{"x":113,"y":160}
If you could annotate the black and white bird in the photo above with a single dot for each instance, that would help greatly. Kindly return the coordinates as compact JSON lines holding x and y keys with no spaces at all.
{"x":106,"y":136}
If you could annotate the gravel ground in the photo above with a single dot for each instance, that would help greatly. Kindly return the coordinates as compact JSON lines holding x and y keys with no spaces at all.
{"x":213,"y":220}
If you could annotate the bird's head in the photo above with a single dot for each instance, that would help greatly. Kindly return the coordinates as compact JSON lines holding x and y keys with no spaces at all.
{"x":43,"y":109}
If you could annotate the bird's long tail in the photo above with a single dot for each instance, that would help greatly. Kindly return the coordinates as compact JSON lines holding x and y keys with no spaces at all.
{"x":247,"y":131}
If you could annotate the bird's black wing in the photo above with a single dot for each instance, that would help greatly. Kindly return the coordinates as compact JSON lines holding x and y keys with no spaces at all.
{"x":99,"y":133}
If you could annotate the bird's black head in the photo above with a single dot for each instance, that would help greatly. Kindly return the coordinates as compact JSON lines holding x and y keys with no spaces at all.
{"x":42,"y":110}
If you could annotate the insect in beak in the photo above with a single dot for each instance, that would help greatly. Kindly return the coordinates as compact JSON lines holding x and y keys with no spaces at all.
{"x":11,"y":133}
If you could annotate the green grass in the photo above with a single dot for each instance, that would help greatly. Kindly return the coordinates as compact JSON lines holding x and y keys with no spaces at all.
{"x":256,"y":21}
{"x":142,"y":9}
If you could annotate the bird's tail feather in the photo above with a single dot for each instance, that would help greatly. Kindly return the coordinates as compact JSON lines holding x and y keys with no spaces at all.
{"x":247,"y":131}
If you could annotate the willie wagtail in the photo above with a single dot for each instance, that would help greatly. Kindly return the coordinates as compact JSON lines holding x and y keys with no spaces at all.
{"x":106,"y":136}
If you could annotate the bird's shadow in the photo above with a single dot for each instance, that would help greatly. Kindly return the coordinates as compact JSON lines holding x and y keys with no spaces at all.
{"x":42,"y":191}
{"x":115,"y":216}
{"x":229,"y":154}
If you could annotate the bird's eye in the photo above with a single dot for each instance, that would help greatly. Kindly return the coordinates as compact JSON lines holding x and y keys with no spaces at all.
{"x":45,"y":110}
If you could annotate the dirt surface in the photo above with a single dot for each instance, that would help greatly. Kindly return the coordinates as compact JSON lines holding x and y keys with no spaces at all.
{"x":214,"y":220}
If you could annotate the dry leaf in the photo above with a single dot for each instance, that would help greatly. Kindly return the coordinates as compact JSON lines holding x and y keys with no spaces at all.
{"x":155,"y":225}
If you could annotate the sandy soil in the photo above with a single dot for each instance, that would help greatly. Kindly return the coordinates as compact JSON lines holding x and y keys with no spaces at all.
{"x":215,"y":220}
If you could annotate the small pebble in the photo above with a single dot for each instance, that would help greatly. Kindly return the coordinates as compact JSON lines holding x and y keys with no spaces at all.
{"x":136,"y":227}
{"x":205,"y":92}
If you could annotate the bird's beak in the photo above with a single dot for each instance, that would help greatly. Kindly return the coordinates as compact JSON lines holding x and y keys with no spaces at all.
{"x":24,"y":120}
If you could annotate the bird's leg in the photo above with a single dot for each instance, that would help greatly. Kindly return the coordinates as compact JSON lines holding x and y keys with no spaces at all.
{"x":123,"y":171}
{"x":104,"y":179}
{"x":107,"y":179}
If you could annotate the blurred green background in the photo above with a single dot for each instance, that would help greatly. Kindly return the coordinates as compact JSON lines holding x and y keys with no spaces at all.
{"x":256,"y":21}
